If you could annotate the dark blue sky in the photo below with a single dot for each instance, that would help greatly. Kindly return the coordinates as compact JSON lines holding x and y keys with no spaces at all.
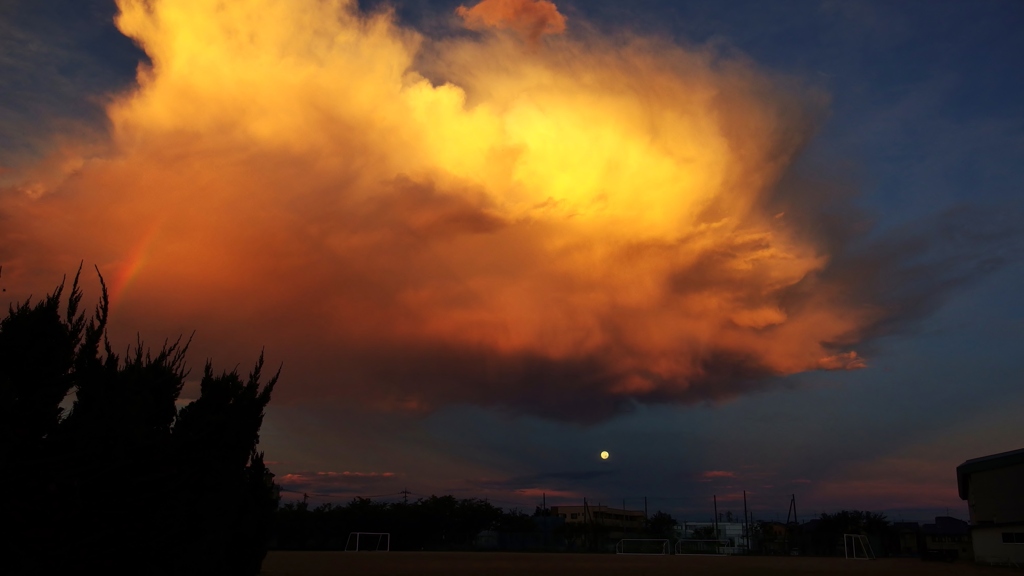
{"x":925,"y":131}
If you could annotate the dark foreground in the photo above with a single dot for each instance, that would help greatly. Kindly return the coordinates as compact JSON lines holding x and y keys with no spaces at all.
{"x":500,"y":564}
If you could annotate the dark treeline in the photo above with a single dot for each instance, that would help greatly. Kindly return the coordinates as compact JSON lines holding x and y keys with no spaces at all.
{"x":443,"y":523}
{"x":435,"y":523}
{"x":125,"y":481}
{"x":447,"y":523}
{"x":823,"y":536}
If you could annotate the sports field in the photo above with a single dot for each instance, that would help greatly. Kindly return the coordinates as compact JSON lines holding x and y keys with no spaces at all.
{"x":516,"y":564}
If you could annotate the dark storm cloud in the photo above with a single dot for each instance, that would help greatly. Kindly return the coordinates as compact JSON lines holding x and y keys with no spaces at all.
{"x":908,"y":273}
{"x":59,"y":61}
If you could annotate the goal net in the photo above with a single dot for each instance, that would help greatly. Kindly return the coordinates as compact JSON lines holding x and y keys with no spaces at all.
{"x":646,"y":547}
{"x":368,"y":542}
{"x":857,"y":547}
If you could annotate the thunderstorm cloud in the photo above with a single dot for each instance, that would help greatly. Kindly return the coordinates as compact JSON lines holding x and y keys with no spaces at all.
{"x":562,"y":226}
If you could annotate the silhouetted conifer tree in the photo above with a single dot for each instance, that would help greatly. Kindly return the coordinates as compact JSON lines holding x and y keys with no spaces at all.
{"x":126,"y":482}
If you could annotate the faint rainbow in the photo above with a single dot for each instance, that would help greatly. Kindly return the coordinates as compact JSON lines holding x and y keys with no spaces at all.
{"x":132,"y":264}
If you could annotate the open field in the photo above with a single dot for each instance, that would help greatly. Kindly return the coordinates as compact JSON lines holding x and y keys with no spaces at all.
{"x":516,"y":564}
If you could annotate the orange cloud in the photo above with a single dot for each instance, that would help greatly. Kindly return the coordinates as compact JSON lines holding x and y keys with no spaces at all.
{"x":334,"y":483}
{"x":714,"y":474}
{"x":562,"y":229}
{"x":844,"y":361}
{"x":530,"y":18}
{"x":546,"y":493}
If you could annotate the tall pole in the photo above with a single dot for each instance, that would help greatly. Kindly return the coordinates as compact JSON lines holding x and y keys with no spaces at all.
{"x":715,"y":500}
{"x":645,"y":507}
{"x":791,"y":525}
{"x":623,"y":516}
{"x":544,"y":515}
{"x":586,"y":524}
{"x":746,"y":524}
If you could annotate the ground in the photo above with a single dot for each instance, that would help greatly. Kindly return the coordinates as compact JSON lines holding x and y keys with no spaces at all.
{"x":509,"y":564}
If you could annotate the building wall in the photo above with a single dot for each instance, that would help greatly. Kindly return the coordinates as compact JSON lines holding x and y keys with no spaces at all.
{"x":961,"y":544}
{"x":996,"y":495}
{"x":990,"y":548}
{"x":908,"y":543}
{"x":611,"y":517}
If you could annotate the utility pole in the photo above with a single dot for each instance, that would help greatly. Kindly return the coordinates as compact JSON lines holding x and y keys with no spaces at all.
{"x":405,"y":496}
{"x":715,"y":500}
{"x":645,"y":508}
{"x":791,"y":525}
{"x":623,"y":516}
{"x":544,"y":517}
{"x":586,"y":527}
{"x":746,"y":524}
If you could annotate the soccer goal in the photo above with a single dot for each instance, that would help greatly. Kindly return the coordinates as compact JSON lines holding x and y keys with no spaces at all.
{"x":642,"y":547}
{"x":857,"y":547}
{"x":368,"y":542}
{"x":703,"y":547}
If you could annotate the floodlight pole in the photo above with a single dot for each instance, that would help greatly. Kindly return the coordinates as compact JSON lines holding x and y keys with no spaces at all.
{"x":714,"y":498}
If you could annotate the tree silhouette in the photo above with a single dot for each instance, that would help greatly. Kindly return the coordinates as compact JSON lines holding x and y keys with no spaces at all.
{"x":661,"y":525}
{"x":125,"y":482}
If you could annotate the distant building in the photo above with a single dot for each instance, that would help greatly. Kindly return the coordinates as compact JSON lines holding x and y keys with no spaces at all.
{"x":994,"y":489}
{"x":614,"y":518}
{"x":947,"y":539}
{"x":909,"y":534}
{"x":731,"y":534}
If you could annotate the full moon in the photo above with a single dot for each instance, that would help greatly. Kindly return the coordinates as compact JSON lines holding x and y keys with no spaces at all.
{"x":604,"y":455}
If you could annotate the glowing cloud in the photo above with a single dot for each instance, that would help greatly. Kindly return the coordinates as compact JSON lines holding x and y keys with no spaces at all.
{"x":585,"y":218}
{"x":530,"y":18}
{"x":715,"y":474}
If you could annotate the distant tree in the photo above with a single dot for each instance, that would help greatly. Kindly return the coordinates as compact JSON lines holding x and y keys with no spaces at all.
{"x":125,"y":482}
{"x":826,"y":535}
{"x":661,"y":525}
{"x":768,"y":537}
{"x":853,"y":522}
{"x":517,"y":521}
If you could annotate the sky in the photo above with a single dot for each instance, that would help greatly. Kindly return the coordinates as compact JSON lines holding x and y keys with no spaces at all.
{"x":741,"y":246}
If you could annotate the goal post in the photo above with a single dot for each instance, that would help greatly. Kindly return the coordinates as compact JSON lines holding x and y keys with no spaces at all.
{"x":857,"y":547}
{"x":642,"y":547}
{"x":368,"y":542}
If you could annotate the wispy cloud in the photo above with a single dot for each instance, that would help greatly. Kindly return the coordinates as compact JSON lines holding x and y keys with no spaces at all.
{"x":334,"y":483}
